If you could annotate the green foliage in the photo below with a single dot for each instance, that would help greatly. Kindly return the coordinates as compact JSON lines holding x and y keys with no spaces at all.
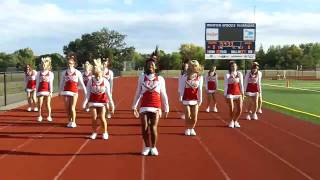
{"x":103,"y":43}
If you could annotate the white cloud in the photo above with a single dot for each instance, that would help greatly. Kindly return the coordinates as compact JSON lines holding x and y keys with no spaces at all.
{"x":47,"y":27}
{"x":128,"y":2}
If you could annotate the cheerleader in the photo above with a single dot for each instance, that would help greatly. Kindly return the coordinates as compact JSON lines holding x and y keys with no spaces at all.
{"x":30,"y":87}
{"x":98,"y":96}
{"x":191,"y":95}
{"x":234,"y":93}
{"x":45,"y":87}
{"x":151,"y":90}
{"x":70,"y":79}
{"x":211,"y":81}
{"x":108,"y":74}
{"x":184,"y":69}
{"x":87,"y":75}
{"x":252,"y":86}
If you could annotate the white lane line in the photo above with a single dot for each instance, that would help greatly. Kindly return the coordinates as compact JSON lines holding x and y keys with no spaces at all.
{"x":270,"y":152}
{"x":70,"y":160}
{"x":292,"y":134}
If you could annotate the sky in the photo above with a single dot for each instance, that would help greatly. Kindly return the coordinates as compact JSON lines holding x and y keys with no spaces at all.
{"x":48,"y":25}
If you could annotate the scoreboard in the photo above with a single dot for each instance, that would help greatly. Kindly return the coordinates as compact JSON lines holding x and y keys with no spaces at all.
{"x":230,"y":40}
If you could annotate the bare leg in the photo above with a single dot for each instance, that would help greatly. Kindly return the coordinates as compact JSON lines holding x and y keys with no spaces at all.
{"x":154,"y":119}
{"x":40,"y":102}
{"x":209,"y":95}
{"x":34,"y":98}
{"x":214,"y":100}
{"x":194,"y":115}
{"x":188,"y":116}
{"x":102,"y":114}
{"x":231,"y":108}
{"x":67,"y":106}
{"x":73,"y":107}
{"x":94,"y":119}
{"x":48,"y":103}
{"x":238,"y":105}
{"x":145,"y":129}
{"x":29,"y":98}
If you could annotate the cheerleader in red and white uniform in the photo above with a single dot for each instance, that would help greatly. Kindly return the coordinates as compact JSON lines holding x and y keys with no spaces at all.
{"x":45,"y":87}
{"x":184,"y":69}
{"x":191,"y":95}
{"x":108,"y":74}
{"x":211,"y":81}
{"x":70,"y":79}
{"x":151,"y":91}
{"x":30,"y":87}
{"x":97,"y":98}
{"x":252,"y":85}
{"x":234,"y":93}
{"x":87,"y":75}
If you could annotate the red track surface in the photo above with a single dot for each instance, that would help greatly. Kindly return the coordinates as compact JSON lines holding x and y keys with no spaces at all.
{"x":275,"y":147}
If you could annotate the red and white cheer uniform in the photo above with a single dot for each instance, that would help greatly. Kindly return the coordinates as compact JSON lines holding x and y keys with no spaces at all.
{"x":86,"y":77}
{"x":30,"y":81}
{"x":233,"y":85}
{"x":151,"y":91}
{"x":211,"y":83}
{"x":44,"y":83}
{"x":69,"y":82}
{"x":191,"y":90}
{"x":252,"y":83}
{"x":98,"y":93}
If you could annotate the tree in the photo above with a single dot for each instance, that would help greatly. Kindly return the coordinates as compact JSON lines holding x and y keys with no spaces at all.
{"x":103,"y":43}
{"x":22,"y":57}
{"x":190,"y":51}
{"x":57,"y":61}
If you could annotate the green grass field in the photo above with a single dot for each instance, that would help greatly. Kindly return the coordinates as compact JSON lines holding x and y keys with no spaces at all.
{"x":302,"y":96}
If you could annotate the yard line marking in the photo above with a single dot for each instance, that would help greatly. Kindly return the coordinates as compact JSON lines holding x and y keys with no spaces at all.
{"x":301,"y":89}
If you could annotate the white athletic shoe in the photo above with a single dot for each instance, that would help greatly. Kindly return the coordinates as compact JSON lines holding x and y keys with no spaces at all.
{"x":193,"y":132}
{"x":260,"y":111}
{"x":69,"y":124}
{"x":49,"y":118}
{"x":231,"y":124}
{"x":183,"y":116}
{"x":39,"y":119}
{"x":29,"y":109}
{"x":93,"y":135}
{"x":105,"y":136}
{"x":254,"y":116}
{"x":154,"y":151}
{"x":208,"y":109}
{"x":248,"y":117}
{"x":109,"y":116}
{"x":35,"y":109}
{"x":187,"y":132}
{"x":87,"y":110}
{"x":73,"y":125}
{"x":146,"y":151}
{"x":215,"y":109}
{"x":236,"y":124}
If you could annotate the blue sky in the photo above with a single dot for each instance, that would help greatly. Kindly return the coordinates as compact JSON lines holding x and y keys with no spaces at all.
{"x":47,"y":25}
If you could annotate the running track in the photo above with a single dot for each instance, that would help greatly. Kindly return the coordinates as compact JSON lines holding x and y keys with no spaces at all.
{"x":275,"y":147}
